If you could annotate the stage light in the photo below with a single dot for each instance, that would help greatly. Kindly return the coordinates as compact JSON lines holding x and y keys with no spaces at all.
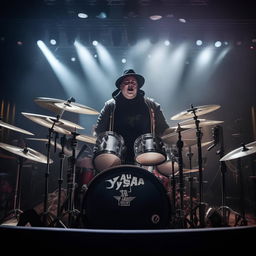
{"x":167,"y":43}
{"x":182,"y":20}
{"x":218,"y":44}
{"x":73,"y":59}
{"x":155,"y":17}
{"x":102,"y":15}
{"x":53,"y":42}
{"x":94,"y":42}
{"x":82,"y":15}
{"x":199,"y":42}
{"x":123,"y":60}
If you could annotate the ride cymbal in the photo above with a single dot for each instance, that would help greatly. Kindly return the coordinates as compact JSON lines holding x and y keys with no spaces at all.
{"x":86,"y":138}
{"x":57,"y":105}
{"x":14,"y":128}
{"x":200,"y":110}
{"x":190,"y":123}
{"x":60,"y":126}
{"x":243,"y":151}
{"x":26,"y":152}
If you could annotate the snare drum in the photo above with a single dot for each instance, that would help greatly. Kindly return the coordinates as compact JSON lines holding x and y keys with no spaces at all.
{"x":126,"y":197}
{"x":108,"y":150}
{"x":149,"y":150}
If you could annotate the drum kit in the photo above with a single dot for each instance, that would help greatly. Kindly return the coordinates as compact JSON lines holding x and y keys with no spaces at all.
{"x":142,"y":201}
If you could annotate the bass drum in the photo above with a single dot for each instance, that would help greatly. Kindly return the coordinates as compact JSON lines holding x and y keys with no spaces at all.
{"x":126,"y":197}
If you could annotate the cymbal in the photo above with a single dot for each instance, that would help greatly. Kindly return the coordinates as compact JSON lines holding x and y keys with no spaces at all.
{"x":200,"y":110}
{"x":188,"y":171}
{"x":57,"y":105}
{"x":245,"y":150}
{"x":172,"y":137}
{"x":26,"y":152}
{"x":86,"y":138}
{"x":14,"y":128}
{"x":190,"y":123}
{"x":58,"y":145}
{"x":61,"y":126}
{"x":192,"y":142}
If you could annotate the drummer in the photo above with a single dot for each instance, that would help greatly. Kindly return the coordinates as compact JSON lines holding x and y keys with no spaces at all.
{"x":131,"y":114}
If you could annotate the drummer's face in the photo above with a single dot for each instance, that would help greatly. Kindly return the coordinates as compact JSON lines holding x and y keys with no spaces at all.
{"x":129,"y":87}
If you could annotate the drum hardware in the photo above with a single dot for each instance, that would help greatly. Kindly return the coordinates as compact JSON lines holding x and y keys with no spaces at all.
{"x":180,"y":211}
{"x":239,"y":153}
{"x":57,"y":221}
{"x":22,"y":153}
{"x":71,"y":185}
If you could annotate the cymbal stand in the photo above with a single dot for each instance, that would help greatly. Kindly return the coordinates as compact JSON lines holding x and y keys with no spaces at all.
{"x":57,"y":221}
{"x":242,"y":206}
{"x":71,"y":183}
{"x":199,"y":147}
{"x":47,"y":173}
{"x":190,"y":155}
{"x":16,"y":211}
{"x":180,"y":212}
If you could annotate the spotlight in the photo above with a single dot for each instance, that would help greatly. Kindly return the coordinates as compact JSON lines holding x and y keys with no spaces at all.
{"x":123,"y":60}
{"x":73,"y":59}
{"x":166,"y":42}
{"x":94,"y":42}
{"x":82,"y":15}
{"x":218,"y":44}
{"x":53,"y":42}
{"x":199,"y":42}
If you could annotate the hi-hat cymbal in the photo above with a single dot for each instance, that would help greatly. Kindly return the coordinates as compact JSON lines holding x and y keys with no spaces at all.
{"x":200,"y":110}
{"x":245,"y":150}
{"x":26,"y":152}
{"x":14,"y":128}
{"x":190,"y":123}
{"x":61,"y":126}
{"x":57,"y":105}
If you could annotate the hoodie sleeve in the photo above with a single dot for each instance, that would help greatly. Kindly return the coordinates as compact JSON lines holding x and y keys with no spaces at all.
{"x":103,"y":120}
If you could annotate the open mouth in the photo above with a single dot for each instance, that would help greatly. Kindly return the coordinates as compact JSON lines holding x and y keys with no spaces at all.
{"x":130,"y":89}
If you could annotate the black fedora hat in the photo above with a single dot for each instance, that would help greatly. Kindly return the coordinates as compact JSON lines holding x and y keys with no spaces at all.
{"x":130,"y":72}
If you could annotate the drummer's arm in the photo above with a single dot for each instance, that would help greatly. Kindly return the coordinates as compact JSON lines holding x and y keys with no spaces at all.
{"x":102,"y":123}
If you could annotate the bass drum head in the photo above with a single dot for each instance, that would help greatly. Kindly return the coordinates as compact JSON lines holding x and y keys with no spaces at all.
{"x":126,"y":197}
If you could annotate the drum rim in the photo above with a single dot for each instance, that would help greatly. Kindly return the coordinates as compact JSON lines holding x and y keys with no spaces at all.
{"x":110,"y":132}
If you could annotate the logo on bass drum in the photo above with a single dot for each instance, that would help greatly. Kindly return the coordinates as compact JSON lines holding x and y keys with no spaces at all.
{"x":123,"y":184}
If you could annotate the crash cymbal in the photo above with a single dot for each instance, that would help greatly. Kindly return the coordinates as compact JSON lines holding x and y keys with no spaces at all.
{"x":26,"y":152}
{"x":200,"y":110}
{"x":14,"y":128}
{"x":190,"y":123}
{"x":86,"y":138}
{"x":61,"y":126}
{"x":57,"y":105}
{"x":243,"y":151}
{"x":67,"y":152}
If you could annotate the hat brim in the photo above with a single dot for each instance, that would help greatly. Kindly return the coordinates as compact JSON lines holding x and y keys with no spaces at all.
{"x":140,"y":79}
